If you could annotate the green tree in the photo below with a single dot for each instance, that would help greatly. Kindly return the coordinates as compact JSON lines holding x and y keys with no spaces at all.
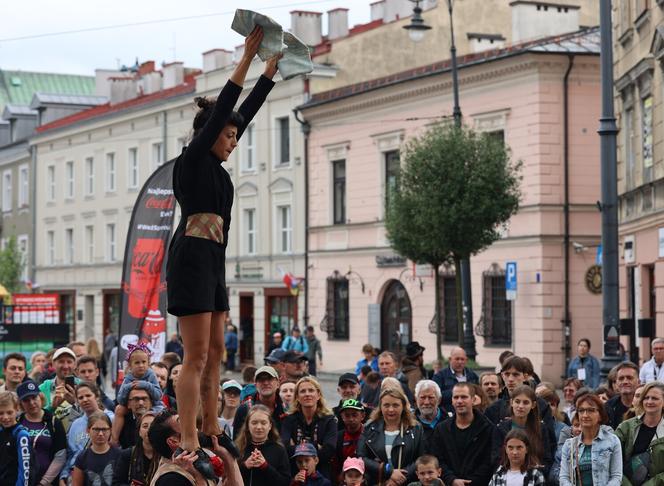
{"x":457,"y":188}
{"x":11,"y":266}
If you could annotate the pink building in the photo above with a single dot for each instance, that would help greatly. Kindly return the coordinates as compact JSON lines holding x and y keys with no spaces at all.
{"x":362,"y":291}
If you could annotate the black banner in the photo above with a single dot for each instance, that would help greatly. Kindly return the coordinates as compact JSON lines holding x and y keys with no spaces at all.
{"x":143,"y":302}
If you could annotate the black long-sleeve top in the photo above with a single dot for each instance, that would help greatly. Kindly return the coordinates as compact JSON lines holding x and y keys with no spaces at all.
{"x":322,"y":432}
{"x":275,"y":471}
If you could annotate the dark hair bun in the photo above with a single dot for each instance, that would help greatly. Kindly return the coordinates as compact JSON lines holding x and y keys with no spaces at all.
{"x":203,"y":103}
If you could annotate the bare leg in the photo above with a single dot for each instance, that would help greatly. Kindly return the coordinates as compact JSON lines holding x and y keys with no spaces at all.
{"x":211,"y":375}
{"x":195,"y":332}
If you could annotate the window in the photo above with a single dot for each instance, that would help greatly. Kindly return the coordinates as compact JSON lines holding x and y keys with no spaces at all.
{"x":641,"y":7}
{"x":50,"y":247}
{"x":496,"y":309}
{"x":248,"y":163}
{"x":90,"y":243}
{"x":22,"y":242}
{"x":630,"y":157}
{"x":337,"y":307}
{"x":283,"y":140}
{"x":392,"y":168}
{"x":448,"y":302}
{"x":111,"y":255}
{"x":250,"y":231}
{"x":646,"y":140}
{"x":50,"y":182}
{"x":7,"y":190}
{"x":132,"y":167}
{"x":110,"y":172}
{"x":498,"y":135}
{"x":89,"y":176}
{"x":23,"y":186}
{"x":339,"y":191}
{"x":69,"y":246}
{"x":285,"y":229}
{"x":69,"y":179}
{"x":157,"y":155}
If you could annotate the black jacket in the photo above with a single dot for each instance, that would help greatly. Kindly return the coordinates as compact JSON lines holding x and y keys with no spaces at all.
{"x":322,"y":432}
{"x":371,"y":448}
{"x":548,"y":445}
{"x":478,"y":462}
{"x":446,"y":380}
{"x":276,"y":472}
{"x":427,"y":429}
{"x":278,"y":413}
{"x":500,"y":410}
{"x":124,"y":472}
{"x":615,"y":410}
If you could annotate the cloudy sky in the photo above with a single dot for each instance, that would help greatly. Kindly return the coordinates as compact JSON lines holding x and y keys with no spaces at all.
{"x":76,"y":36}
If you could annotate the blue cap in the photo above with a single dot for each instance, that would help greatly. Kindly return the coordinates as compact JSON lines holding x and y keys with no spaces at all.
{"x":276,"y":356}
{"x":305,"y":449}
{"x":27,"y":389}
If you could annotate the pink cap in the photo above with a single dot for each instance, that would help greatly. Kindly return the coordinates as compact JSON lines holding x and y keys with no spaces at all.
{"x":354,"y":463}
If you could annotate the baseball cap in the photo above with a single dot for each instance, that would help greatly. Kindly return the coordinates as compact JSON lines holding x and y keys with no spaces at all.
{"x":348,"y":377}
{"x":267,"y":369}
{"x":231,"y":384}
{"x":27,"y":389}
{"x":63,"y":351}
{"x":305,"y":449}
{"x":354,"y":463}
{"x":351,"y":404}
{"x":294,"y":357}
{"x":276,"y":356}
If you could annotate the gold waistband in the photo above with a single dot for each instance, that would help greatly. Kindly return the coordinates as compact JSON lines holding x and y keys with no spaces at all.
{"x":209,"y":226}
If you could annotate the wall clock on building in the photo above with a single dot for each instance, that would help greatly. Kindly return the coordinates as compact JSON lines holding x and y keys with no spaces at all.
{"x":594,"y":279}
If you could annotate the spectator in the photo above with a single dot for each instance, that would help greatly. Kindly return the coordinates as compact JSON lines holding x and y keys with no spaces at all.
{"x":110,"y":342}
{"x":391,"y":441}
{"x":593,"y":457}
{"x":287,"y":393}
{"x":348,"y":388}
{"x":504,"y":356}
{"x":175,"y":466}
{"x":78,"y":348}
{"x":518,"y":463}
{"x":570,"y":387}
{"x":248,"y":382}
{"x":276,"y":342}
{"x":314,"y":350}
{"x":531,"y":377}
{"x":412,"y":365}
{"x":370,"y":390}
{"x":370,"y":359}
{"x":364,"y":371}
{"x":584,"y":366}
{"x":38,"y":365}
{"x":309,"y":420}
{"x":87,"y":369}
{"x":352,"y":420}
{"x":465,"y":444}
{"x":170,"y":359}
{"x":174,"y":345}
{"x":60,"y":396}
{"x":160,"y":370}
{"x":652,"y":370}
{"x":604,"y":393}
{"x":138,"y":403}
{"x":230,"y":402}
{"x":491,"y":384}
{"x":627,"y":379}
{"x":171,"y":384}
{"x":263,"y":460}
{"x":276,"y":360}
{"x":480,"y":402}
{"x":231,"y":344}
{"x":553,"y":400}
{"x":526,"y":417}
{"x":641,"y":439}
{"x":136,"y":465}
{"x":92,"y":349}
{"x":428,"y":471}
{"x":635,"y":410}
{"x":94,"y":465}
{"x":456,"y":372}
{"x":14,"y":371}
{"x":307,"y":462}
{"x":428,"y":412}
{"x":566,"y":433}
{"x":267,"y":384}
{"x":295,"y":365}
{"x":353,"y":472}
{"x":48,"y":440}
{"x":295,"y":342}
{"x":388,"y":366}
{"x":15,"y":453}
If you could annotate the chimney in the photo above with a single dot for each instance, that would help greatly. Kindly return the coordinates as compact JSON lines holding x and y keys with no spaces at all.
{"x":533,"y":19}
{"x":307,"y":26}
{"x":173,"y":74}
{"x":145,"y":68}
{"x":377,"y":10}
{"x":103,"y":80}
{"x":397,"y":9}
{"x":239,"y":52}
{"x":216,"y":59}
{"x":122,"y":89}
{"x":150,"y":82}
{"x":337,"y":23}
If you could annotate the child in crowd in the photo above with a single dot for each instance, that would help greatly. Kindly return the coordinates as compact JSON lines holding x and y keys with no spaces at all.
{"x":287,"y":393}
{"x":306,"y":458}
{"x":353,"y":472}
{"x":15,"y":443}
{"x":139,"y":369}
{"x":370,"y":390}
{"x":94,"y":465}
{"x":518,"y":465}
{"x":428,"y":471}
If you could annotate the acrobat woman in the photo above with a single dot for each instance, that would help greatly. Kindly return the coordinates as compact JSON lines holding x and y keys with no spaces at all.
{"x":196,"y":259}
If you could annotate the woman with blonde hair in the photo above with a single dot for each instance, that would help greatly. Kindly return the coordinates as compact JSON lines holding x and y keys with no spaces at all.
{"x":92,"y":349}
{"x":392,"y":441}
{"x":310,"y":420}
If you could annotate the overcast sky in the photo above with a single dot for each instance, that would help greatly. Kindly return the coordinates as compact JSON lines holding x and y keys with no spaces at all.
{"x":24,"y":45}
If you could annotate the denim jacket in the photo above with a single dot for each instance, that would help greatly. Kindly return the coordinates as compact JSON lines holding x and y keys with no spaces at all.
{"x":606,"y":454}
{"x":592,"y":366}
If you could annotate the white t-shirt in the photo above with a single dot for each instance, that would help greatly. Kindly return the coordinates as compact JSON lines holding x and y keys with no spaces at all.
{"x":389,"y":442}
{"x":514,"y":478}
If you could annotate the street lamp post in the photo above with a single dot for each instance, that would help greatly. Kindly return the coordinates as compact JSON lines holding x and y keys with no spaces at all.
{"x":416,"y":30}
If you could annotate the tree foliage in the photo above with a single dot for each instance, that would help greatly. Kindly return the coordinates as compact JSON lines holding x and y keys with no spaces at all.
{"x":12,"y":264}
{"x":456,"y":189}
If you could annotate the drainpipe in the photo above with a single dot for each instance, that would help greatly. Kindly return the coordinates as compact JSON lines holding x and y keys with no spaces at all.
{"x":306,"y":130}
{"x":33,"y":212}
{"x":164,"y":135}
{"x":566,"y":321}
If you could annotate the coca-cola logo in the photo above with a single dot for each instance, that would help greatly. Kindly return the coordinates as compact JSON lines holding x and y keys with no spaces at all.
{"x":148,"y":257}
{"x":160,"y":203}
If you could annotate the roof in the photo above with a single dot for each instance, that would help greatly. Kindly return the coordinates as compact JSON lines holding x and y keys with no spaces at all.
{"x":582,"y":42}
{"x":538,"y":3}
{"x":66,"y":99}
{"x":17,"y":87}
{"x":11,"y":109}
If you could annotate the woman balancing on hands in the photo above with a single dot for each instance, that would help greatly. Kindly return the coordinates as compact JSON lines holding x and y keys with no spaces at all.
{"x":196,"y":258}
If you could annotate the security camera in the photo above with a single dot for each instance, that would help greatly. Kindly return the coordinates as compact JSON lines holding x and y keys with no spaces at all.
{"x":578,"y":247}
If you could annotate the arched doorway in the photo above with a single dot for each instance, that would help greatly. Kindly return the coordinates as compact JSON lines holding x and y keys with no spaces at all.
{"x":396,"y":328}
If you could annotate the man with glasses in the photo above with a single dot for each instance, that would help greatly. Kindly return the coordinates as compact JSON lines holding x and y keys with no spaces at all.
{"x":138,"y":402}
{"x":653,"y":369}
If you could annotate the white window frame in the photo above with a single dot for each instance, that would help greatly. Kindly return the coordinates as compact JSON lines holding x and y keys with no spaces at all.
{"x":133,"y":169}
{"x":69,"y":179}
{"x":7,"y":192}
{"x":157,"y":155}
{"x":111,"y":244}
{"x":50,"y":247}
{"x":50,"y":183}
{"x":249,"y":152}
{"x":69,"y":245}
{"x":89,"y":176}
{"x":111,"y":172}
{"x":23,"y":186}
{"x":250,"y":231}
{"x":90,"y":243}
{"x":22,"y":244}
{"x":284,"y":229}
{"x":277,"y":143}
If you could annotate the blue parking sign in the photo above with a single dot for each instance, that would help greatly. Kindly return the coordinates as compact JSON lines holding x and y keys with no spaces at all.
{"x":510,"y":280}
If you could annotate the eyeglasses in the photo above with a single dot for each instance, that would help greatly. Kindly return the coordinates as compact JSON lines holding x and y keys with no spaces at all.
{"x":586,"y":411}
{"x":100,"y":430}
